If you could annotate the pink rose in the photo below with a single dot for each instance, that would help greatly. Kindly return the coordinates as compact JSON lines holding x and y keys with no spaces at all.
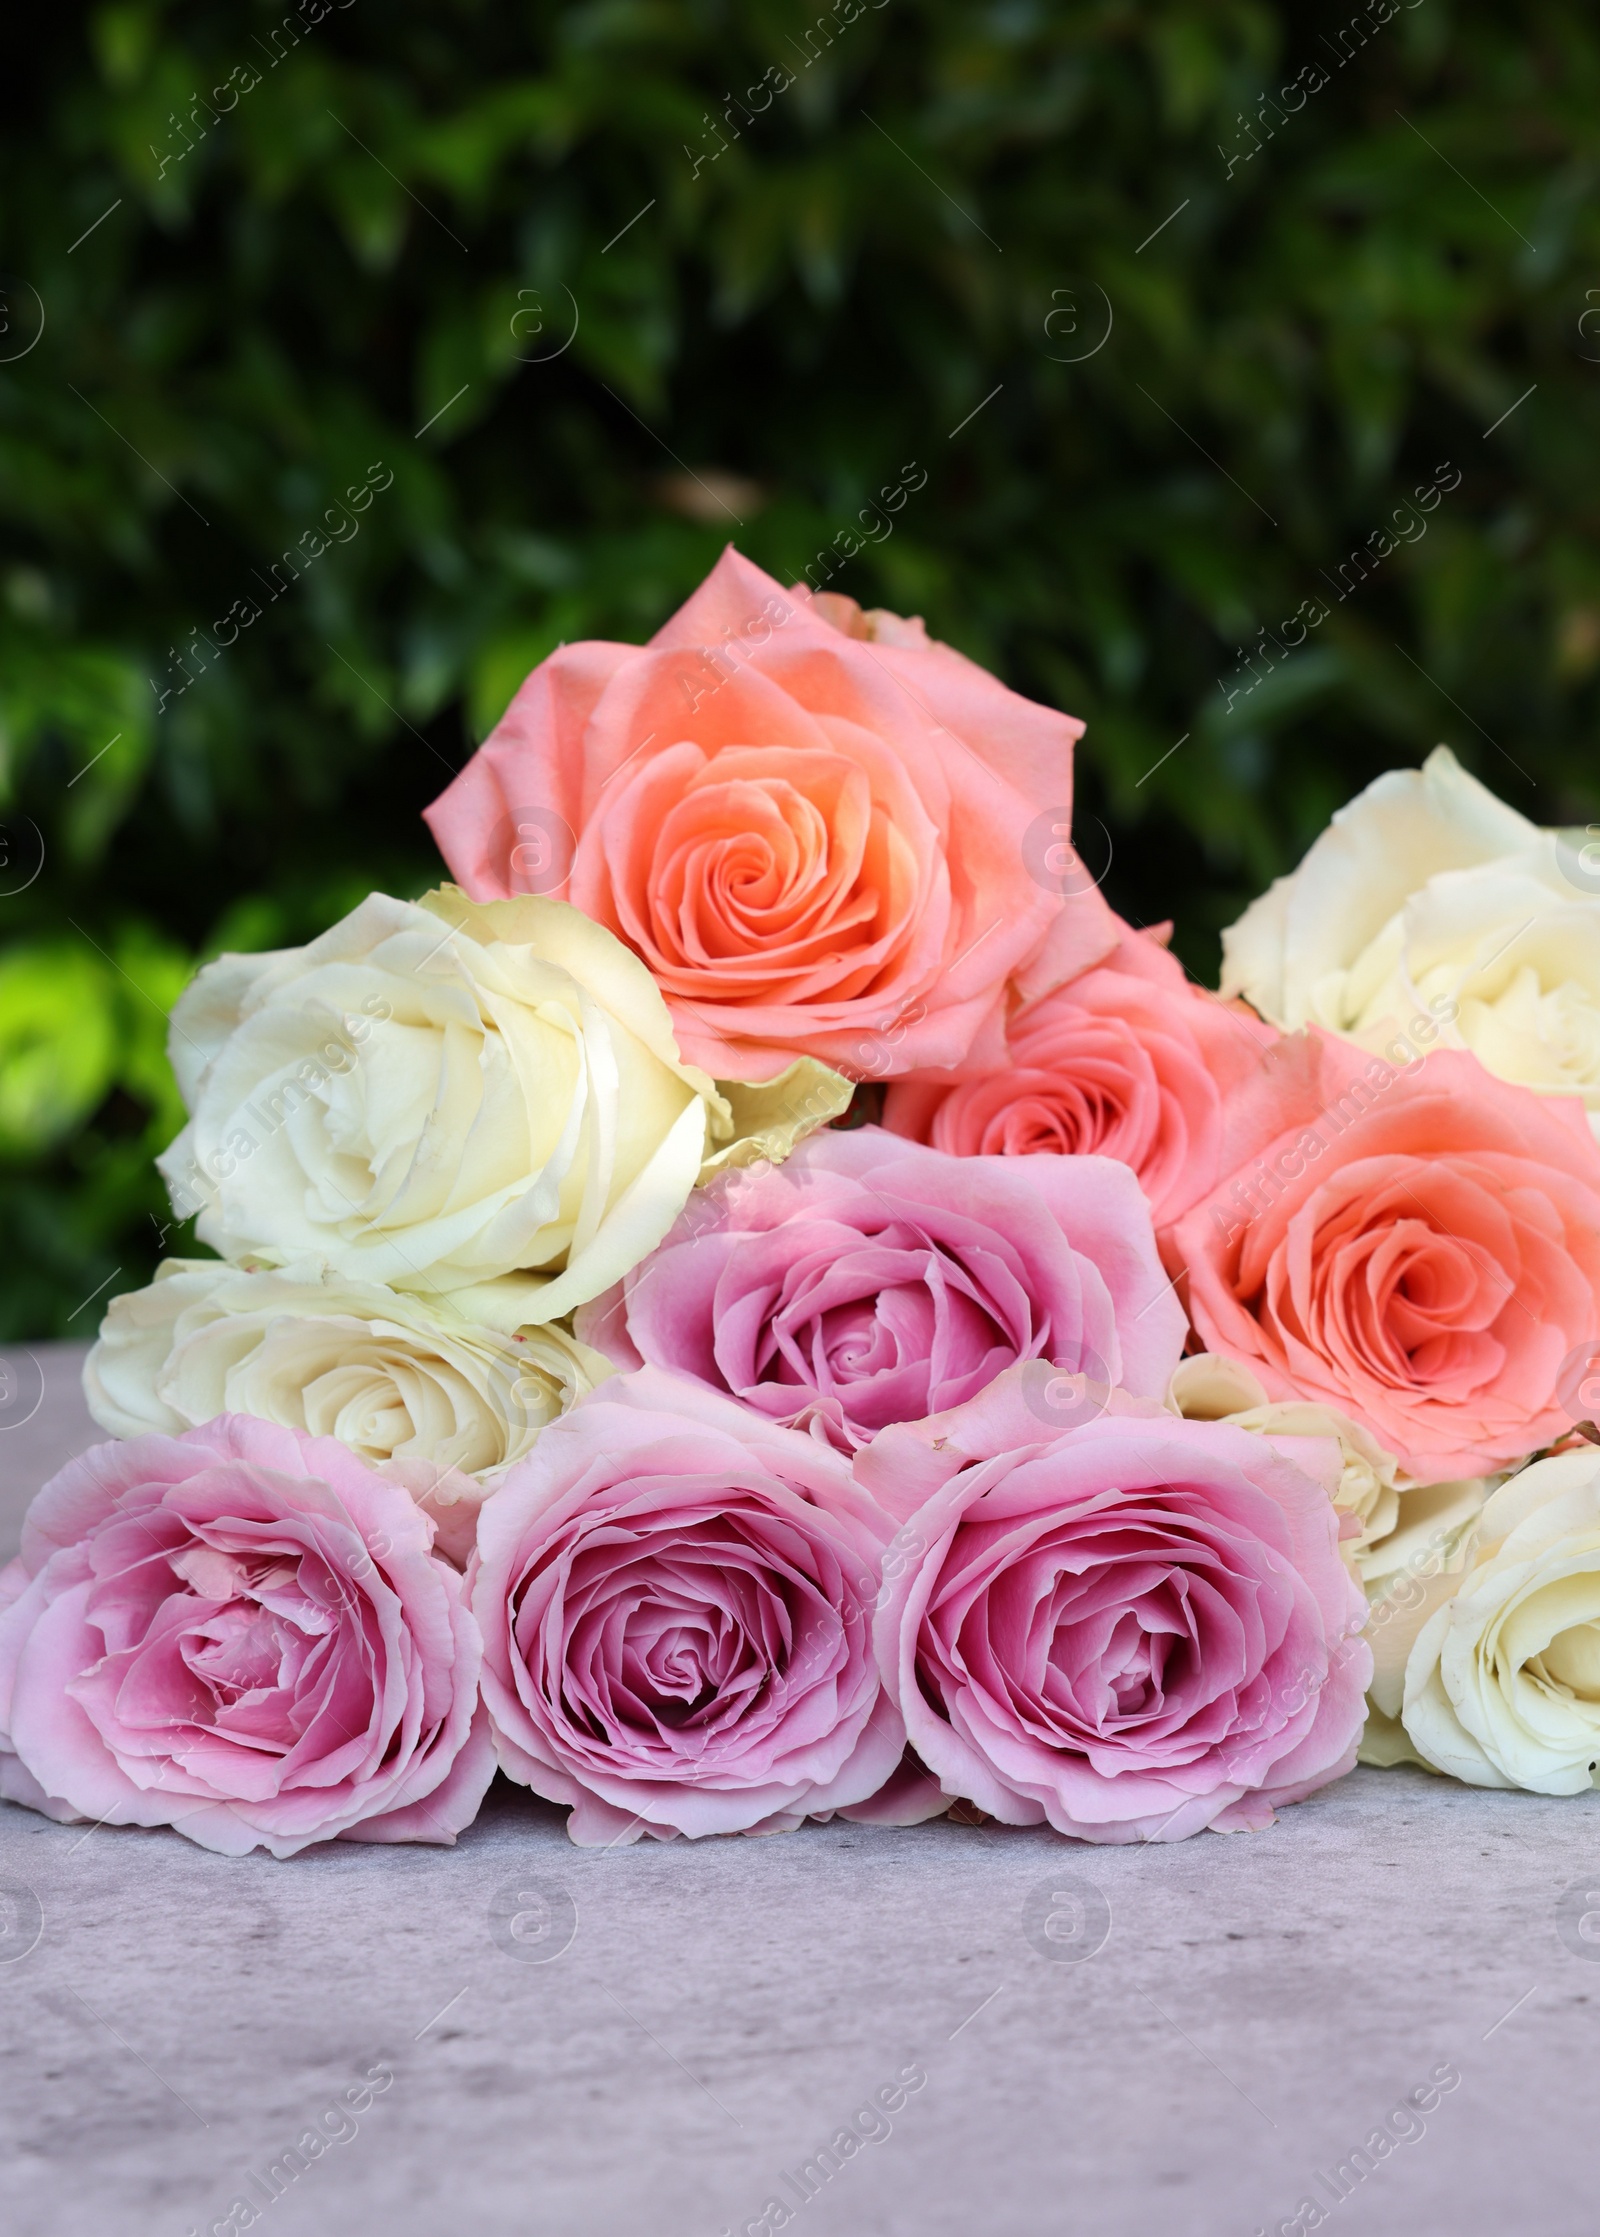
{"x":1416,"y":1244}
{"x":241,"y":1633}
{"x":1130,"y":1630}
{"x":676,"y":1604}
{"x":825,"y":834}
{"x":869,"y":1280}
{"x":1130,"y":1060}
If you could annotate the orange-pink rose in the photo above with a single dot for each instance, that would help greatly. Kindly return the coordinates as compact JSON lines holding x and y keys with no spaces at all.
{"x":826,"y":834}
{"x":1415,"y":1243}
{"x":1130,"y":1060}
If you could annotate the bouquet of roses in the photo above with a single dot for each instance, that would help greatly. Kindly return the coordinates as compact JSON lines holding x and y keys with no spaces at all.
{"x":765,"y":1299}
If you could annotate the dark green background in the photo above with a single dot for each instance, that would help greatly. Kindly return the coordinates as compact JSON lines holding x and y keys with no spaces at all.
{"x":876,"y":252}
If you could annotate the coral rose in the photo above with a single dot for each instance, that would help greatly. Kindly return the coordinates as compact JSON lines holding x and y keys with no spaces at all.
{"x":676,"y":1604}
{"x":1130,"y":1060}
{"x":241,"y":1633}
{"x":1415,"y":1244}
{"x":869,"y":1280}
{"x":816,"y":827}
{"x":1130,"y":1630}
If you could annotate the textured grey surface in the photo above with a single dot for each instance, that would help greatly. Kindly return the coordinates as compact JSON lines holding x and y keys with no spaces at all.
{"x":43,"y":1421}
{"x":1259,"y":2005}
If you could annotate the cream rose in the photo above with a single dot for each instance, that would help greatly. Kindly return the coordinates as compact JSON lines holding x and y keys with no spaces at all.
{"x":1207,"y":1387}
{"x":436,"y":1096}
{"x":1502,"y":1688}
{"x":1431,"y":912}
{"x":1405,"y":1546}
{"x":1409,"y":1575}
{"x":394,"y":1376}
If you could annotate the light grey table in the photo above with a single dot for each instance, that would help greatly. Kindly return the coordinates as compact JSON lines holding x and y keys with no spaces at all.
{"x":723,"y":2009}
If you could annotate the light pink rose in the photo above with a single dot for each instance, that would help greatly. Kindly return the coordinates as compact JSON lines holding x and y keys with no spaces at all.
{"x":1131,"y":1630}
{"x":1129,"y":1060}
{"x":815,"y":826}
{"x":676,"y":1603}
{"x":1416,"y":1243}
{"x":241,"y":1633}
{"x":868,"y":1280}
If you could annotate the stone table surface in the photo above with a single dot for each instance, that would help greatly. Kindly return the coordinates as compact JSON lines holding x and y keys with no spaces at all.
{"x":663,"y":2038}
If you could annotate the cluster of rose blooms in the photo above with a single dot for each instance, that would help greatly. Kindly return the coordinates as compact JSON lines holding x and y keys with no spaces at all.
{"x":767,"y":1300}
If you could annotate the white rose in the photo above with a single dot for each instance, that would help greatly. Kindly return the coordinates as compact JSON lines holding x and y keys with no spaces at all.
{"x":1207,"y":1387}
{"x":1406,"y":1548}
{"x":392,"y":1375}
{"x":1409,"y":1574}
{"x":437,"y":1095}
{"x":1431,"y":911}
{"x":1502,"y":1688}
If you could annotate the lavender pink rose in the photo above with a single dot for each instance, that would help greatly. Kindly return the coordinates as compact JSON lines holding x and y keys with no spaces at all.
{"x":870,"y":1280}
{"x":676,"y":1602}
{"x":243,"y":1633}
{"x":1129,"y":1631}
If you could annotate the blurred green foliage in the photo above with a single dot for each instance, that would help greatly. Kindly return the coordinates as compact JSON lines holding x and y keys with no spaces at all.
{"x":274,"y":250}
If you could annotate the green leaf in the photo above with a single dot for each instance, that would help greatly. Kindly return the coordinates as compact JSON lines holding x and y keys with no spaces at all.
{"x":58,"y":1044}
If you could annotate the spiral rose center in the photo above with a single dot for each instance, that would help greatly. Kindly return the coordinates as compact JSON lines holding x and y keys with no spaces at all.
{"x":681,"y":1667}
{"x":772,"y":875}
{"x":236,"y":1651}
{"x":1030,"y":1112}
{"x":1132,"y":1667}
{"x":241,"y":1651}
{"x":1572,"y":1659}
{"x":1411,"y":1305}
{"x":910,"y":1311}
